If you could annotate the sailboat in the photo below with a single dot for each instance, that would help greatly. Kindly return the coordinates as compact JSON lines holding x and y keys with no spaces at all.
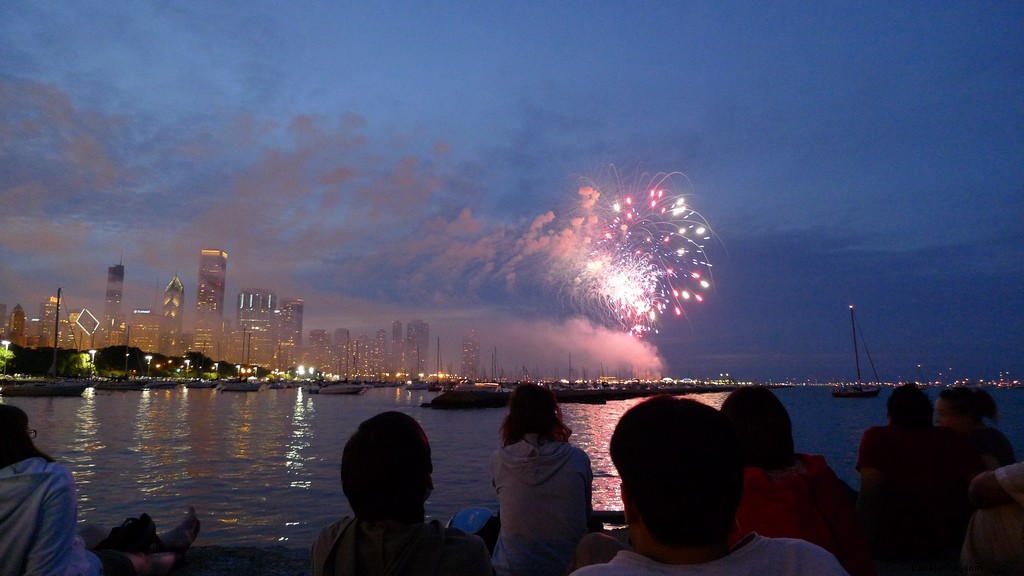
{"x":52,"y":386}
{"x":858,"y":390}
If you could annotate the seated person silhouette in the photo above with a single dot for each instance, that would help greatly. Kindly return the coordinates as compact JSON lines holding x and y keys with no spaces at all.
{"x":995,"y":535}
{"x":787,"y":494}
{"x":682,"y":474}
{"x":386,"y":476}
{"x":965,"y":410}
{"x":914,"y":477}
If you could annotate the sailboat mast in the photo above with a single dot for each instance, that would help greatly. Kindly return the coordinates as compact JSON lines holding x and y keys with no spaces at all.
{"x":56,"y":335}
{"x":856,"y":354}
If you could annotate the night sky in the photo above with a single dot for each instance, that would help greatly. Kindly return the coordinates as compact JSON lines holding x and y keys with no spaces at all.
{"x":422,"y":161}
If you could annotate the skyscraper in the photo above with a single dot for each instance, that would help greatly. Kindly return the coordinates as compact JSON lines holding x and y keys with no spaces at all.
{"x":417,"y":340}
{"x":17,"y":328}
{"x":396,"y":363}
{"x":471,"y":355}
{"x":3,"y":320}
{"x":213,"y":266}
{"x":171,"y":319}
{"x":255,"y":323}
{"x":145,"y":330}
{"x":47,"y":319}
{"x":113,"y":326}
{"x":320,"y":356}
{"x":289,"y":331}
{"x":344,"y":348}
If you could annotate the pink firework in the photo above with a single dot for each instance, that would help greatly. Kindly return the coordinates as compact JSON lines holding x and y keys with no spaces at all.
{"x":645,"y":257}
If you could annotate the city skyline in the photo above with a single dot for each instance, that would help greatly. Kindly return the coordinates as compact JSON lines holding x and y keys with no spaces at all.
{"x":451,"y":163}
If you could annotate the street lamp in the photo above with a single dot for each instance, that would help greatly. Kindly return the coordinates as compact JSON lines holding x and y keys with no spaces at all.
{"x":148,"y":360}
{"x":6,"y":343}
{"x":187,"y":362}
{"x":92,"y":360}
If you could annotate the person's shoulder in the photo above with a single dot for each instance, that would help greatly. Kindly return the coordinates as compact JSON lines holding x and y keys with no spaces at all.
{"x":330,"y":533}
{"x":788,"y":556}
{"x":625,"y":563}
{"x":465,"y":553}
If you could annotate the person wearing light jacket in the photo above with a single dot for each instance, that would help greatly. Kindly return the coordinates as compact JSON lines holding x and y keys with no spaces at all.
{"x":38,"y":517}
{"x":543,"y":485}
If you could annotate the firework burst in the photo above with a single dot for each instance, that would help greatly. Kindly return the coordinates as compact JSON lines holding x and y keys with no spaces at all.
{"x":644,"y":255}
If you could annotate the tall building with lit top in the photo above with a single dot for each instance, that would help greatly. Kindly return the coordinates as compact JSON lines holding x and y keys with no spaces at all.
{"x":145,"y":330}
{"x":16,"y":333}
{"x":112,"y":327}
{"x":171,"y":318}
{"x":289,"y":331}
{"x":213,"y":265}
{"x":471,"y":355}
{"x":254,"y":321}
{"x":48,"y":318}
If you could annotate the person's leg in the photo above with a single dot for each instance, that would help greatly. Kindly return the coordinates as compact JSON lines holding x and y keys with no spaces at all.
{"x":179,"y":538}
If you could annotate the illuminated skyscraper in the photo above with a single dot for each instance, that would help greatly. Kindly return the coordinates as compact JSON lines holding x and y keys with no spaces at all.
{"x":111,"y":331}
{"x":417,"y":340}
{"x":170,"y":321}
{"x":17,"y":328}
{"x":47,"y":319}
{"x":344,"y":349}
{"x":213,"y":266}
{"x":320,"y":356}
{"x":289,"y":331}
{"x":145,"y":330}
{"x":255,"y":323}
{"x":471,"y":355}
{"x":396,"y":362}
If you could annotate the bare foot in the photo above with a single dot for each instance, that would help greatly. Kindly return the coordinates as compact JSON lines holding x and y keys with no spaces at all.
{"x":179,"y":538}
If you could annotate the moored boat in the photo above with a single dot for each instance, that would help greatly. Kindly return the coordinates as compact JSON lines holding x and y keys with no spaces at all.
{"x":120,"y":385}
{"x":343,"y":388}
{"x":855,"y":391}
{"x":858,"y":390}
{"x":240,"y":386}
{"x":44,"y":388}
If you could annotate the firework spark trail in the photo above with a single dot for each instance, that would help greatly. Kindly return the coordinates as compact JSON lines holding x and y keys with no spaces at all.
{"x":643,"y":256}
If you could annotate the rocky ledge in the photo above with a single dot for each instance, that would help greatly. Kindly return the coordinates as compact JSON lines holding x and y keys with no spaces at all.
{"x":250,"y":561}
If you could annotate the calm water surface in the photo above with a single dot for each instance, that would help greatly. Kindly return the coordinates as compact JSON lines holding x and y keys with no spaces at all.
{"x":263,"y":468}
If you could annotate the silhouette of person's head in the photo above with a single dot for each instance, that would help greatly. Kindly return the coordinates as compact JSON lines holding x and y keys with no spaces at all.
{"x":681,"y":470}
{"x":533,"y":409}
{"x":15,"y":439}
{"x":763,"y":427}
{"x":965,"y":408}
{"x":386,"y":469}
{"x":909,"y":407}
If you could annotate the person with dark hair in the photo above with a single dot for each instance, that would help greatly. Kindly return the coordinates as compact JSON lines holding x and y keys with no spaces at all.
{"x":386,"y":476}
{"x":914,"y":476}
{"x":38,"y":519}
{"x":786,"y":494}
{"x":681,"y":468}
{"x":543,"y":485}
{"x":965,"y":410}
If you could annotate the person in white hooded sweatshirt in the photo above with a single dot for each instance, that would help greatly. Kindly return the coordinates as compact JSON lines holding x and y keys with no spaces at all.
{"x":38,"y":518}
{"x":543,"y":485}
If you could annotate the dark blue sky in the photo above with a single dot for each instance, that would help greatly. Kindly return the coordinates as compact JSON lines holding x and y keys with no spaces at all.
{"x":421,"y":162}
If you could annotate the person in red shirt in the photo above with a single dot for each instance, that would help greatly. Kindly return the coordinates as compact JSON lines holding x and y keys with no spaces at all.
{"x":791,"y":495}
{"x":913,"y":482}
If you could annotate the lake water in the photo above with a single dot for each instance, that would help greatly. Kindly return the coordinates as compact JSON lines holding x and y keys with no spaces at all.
{"x":263,"y":468}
